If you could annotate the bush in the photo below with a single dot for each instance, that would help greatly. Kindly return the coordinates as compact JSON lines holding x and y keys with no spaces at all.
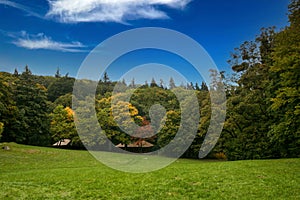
{"x":220,"y":156}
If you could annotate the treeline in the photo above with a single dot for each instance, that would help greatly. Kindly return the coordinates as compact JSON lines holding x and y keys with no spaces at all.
{"x":263,"y":103}
{"x":37,"y":110}
{"x":263,"y":118}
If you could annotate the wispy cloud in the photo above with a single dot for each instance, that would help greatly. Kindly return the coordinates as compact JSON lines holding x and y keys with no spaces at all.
{"x":73,"y":11}
{"x":41,"y":41}
{"x":21,"y":7}
{"x":120,"y":11}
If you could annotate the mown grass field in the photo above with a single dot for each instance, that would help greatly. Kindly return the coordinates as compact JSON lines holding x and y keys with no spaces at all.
{"x":28,"y":172}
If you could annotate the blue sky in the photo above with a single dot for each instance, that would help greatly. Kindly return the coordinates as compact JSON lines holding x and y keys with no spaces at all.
{"x":49,"y":34}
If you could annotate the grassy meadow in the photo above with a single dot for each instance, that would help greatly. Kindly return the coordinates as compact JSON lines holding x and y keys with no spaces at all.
{"x":28,"y":172}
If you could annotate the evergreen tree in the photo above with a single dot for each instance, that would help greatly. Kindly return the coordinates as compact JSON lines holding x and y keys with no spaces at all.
{"x":172,"y":84}
{"x":31,"y":100}
{"x":153,"y":83}
{"x":60,"y":87}
{"x":146,"y":85}
{"x":161,"y":84}
{"x":197,"y":87}
{"x":204,"y":87}
{"x":16,"y":73}
{"x":132,"y":83}
{"x":106,"y":78}
{"x":57,"y":74}
{"x":27,"y":71}
{"x":124,"y":82}
{"x":192,"y":86}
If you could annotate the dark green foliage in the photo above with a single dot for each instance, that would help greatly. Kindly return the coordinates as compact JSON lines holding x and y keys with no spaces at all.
{"x":8,"y":108}
{"x":143,"y":98}
{"x":248,"y":120}
{"x":60,"y":87}
{"x":285,"y":133}
{"x":44,"y":80}
{"x":32,"y":125}
{"x":64,"y":100}
{"x":170,"y":129}
{"x":107,"y":86}
{"x":264,"y":105}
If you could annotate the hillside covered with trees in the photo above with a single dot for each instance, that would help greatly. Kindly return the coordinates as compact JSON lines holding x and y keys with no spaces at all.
{"x":263,"y":103}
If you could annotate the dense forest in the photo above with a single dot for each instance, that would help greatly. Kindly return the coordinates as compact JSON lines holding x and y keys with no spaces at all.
{"x":263,"y":103}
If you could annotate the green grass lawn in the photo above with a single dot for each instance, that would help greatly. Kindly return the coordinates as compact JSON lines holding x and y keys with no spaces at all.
{"x":28,"y":172}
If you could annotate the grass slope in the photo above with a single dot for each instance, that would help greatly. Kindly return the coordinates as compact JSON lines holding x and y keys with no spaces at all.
{"x":28,"y":172}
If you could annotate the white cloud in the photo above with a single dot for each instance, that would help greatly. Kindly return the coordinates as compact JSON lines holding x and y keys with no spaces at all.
{"x":73,"y":11}
{"x":41,"y":41}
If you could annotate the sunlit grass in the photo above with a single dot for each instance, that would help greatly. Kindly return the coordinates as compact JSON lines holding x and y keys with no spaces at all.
{"x":28,"y":172}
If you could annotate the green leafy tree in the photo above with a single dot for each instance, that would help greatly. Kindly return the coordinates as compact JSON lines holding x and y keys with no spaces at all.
{"x":65,"y":100}
{"x":62,"y":125}
{"x":107,"y":86}
{"x":90,"y":133}
{"x":8,"y":108}
{"x":32,"y":120}
{"x":144,"y":98}
{"x":248,"y":120}
{"x":123,"y":112}
{"x":180,"y":125}
{"x":60,"y":87}
{"x":205,"y":115}
{"x":285,"y":133}
{"x":170,"y":128}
